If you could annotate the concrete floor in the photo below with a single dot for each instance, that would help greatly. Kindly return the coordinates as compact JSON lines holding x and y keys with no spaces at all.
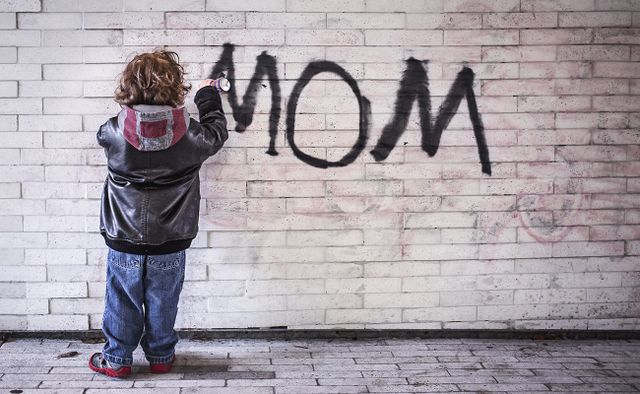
{"x":335,"y":366}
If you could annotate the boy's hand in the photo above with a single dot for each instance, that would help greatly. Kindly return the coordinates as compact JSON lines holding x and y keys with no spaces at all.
{"x":206,"y":82}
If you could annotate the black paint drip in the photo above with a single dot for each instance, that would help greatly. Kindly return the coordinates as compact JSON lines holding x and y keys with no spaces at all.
{"x":415,"y":84}
{"x":309,"y":72}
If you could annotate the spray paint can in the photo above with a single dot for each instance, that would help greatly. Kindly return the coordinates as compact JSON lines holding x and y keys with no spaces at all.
{"x":221,"y":84}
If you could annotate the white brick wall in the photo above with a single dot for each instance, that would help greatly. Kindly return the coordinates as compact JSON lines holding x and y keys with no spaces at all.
{"x":550,"y":240}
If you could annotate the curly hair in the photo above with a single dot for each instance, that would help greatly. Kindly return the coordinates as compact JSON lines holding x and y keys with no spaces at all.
{"x":153,"y":78}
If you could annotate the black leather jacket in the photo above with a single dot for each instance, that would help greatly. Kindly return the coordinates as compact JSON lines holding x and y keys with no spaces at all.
{"x":151,"y":197}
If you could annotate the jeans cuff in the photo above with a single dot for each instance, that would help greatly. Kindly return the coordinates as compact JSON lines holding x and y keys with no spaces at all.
{"x":159,"y":359}
{"x":126,"y":361}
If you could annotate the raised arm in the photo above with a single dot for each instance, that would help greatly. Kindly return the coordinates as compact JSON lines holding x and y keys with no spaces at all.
{"x":212,"y":119}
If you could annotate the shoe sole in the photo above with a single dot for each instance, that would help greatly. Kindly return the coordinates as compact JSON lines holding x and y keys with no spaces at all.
{"x":120,"y":373}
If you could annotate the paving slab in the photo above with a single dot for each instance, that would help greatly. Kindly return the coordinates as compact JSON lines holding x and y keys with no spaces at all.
{"x":281,"y":366}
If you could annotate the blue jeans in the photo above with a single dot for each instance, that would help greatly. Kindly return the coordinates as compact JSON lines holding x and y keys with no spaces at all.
{"x":141,"y":304}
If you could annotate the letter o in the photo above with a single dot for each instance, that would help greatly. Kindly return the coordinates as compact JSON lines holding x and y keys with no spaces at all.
{"x":309,"y":72}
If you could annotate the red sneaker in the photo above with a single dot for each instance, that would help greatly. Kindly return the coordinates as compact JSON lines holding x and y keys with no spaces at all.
{"x":98,"y":363}
{"x":162,"y":367}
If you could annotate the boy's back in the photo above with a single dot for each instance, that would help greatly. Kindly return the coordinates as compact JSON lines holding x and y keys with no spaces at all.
{"x":151,"y":196}
{"x":150,"y":204}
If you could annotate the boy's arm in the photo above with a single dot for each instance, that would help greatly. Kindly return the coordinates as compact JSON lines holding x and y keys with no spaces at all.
{"x":100,"y":137}
{"x":212,"y":119}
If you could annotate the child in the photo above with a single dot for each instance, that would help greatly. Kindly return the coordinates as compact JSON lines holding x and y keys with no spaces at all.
{"x":149,"y":207}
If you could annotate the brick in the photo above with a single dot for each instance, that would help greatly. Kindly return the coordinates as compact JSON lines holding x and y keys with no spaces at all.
{"x":9,"y":190}
{"x":482,"y":6}
{"x":275,"y":20}
{"x":20,"y":5}
{"x":55,"y":256}
{"x":620,"y":103}
{"x":21,"y":140}
{"x":183,"y":20}
{"x":74,"y":38}
{"x":459,"y":313}
{"x":444,"y":21}
{"x":12,"y":290}
{"x":593,"y":52}
{"x":398,"y":268}
{"x":54,"y":223}
{"x":518,"y":251}
{"x":22,"y":274}
{"x":362,"y":253}
{"x":8,"y":20}
{"x":20,"y":38}
{"x":440,"y":252}
{"x":365,"y":21}
{"x":246,"y":5}
{"x":362,"y":285}
{"x":447,"y":53}
{"x":518,"y":281}
{"x":559,"y":104}
{"x":81,"y":5}
{"x":57,"y":322}
{"x":574,"y":70}
{"x":8,"y":89}
{"x":557,"y":5}
{"x":120,"y":20}
{"x":163,"y":37}
{"x":618,"y":5}
{"x":402,"y":300}
{"x":486,"y":71}
{"x":518,"y":87}
{"x":245,"y":37}
{"x":592,"y":86}
{"x":21,"y":72}
{"x":50,"y":122}
{"x":359,"y":188}
{"x":76,"y":305}
{"x":328,"y":237}
{"x":483,"y":37}
{"x":50,"y":21}
{"x":325,"y":37}
{"x":616,"y":36}
{"x":413,"y":37}
{"x":74,"y":106}
{"x":8,"y":55}
{"x":341,"y":316}
{"x":261,"y":287}
{"x":556,"y":36}
{"x":57,"y":290}
{"x":113,"y":54}
{"x":521,"y":53}
{"x":595,"y":19}
{"x":10,"y":306}
{"x":407,"y":6}
{"x":81,"y":71}
{"x":50,"y":55}
{"x":520,"y":20}
{"x":326,"y":6}
{"x":178,"y":5}
{"x":619,"y":232}
{"x":615,"y":69}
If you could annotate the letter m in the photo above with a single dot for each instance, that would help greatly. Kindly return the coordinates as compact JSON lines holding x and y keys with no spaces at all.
{"x":415,"y":85}
{"x":243,"y":114}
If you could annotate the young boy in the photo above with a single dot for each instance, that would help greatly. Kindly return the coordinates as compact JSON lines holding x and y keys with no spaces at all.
{"x":150,"y":204}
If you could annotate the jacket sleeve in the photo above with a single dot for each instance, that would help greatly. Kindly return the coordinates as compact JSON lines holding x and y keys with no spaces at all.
{"x":212,"y":119}
{"x":101,"y":137}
